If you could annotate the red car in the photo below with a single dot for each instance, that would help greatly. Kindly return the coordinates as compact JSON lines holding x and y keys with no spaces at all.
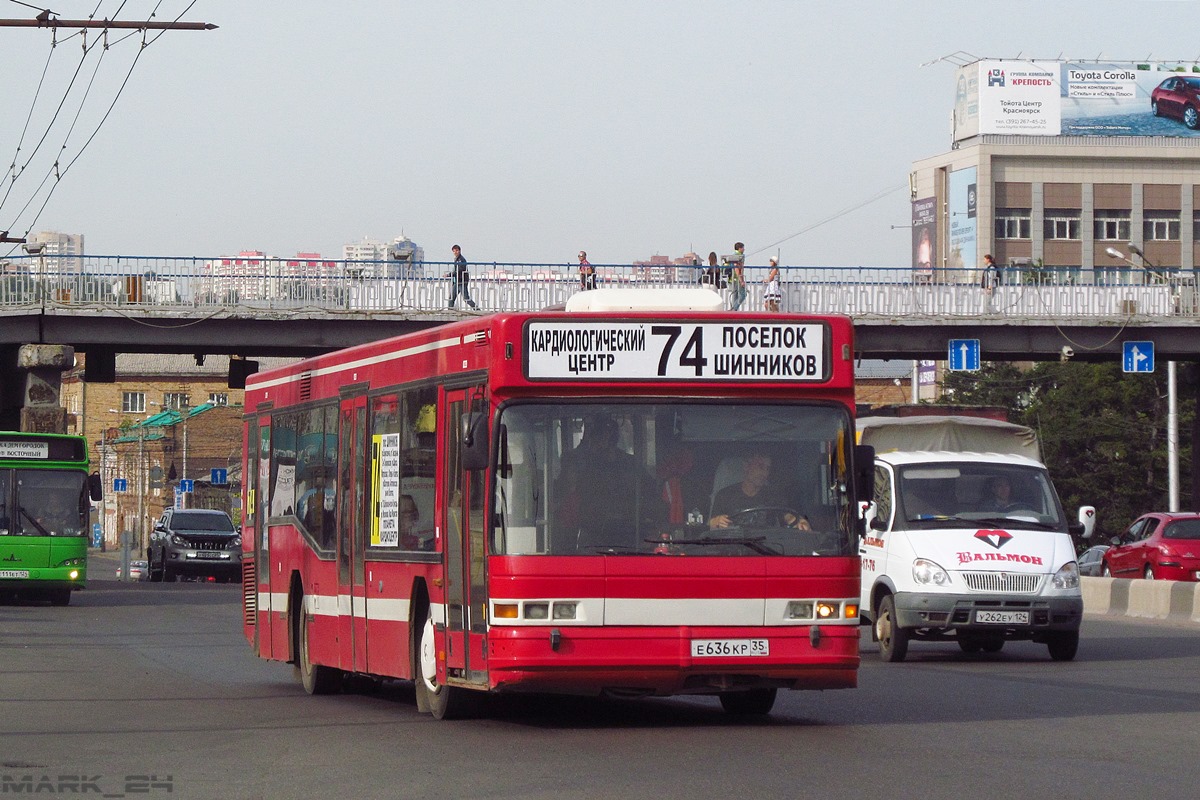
{"x":1162,"y":545}
{"x":1177,"y":97}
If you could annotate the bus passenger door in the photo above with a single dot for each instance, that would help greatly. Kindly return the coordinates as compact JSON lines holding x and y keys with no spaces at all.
{"x":258,"y":494}
{"x":351,"y":541}
{"x":463,"y":501}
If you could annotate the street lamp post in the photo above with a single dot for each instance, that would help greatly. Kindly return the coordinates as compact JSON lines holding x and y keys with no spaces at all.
{"x":1172,"y":394}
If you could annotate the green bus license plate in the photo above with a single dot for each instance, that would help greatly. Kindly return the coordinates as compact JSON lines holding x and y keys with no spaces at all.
{"x":14,"y":573}
{"x":1002,"y":617}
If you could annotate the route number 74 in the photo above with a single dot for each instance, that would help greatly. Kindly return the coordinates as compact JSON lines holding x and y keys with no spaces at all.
{"x":692,"y":354}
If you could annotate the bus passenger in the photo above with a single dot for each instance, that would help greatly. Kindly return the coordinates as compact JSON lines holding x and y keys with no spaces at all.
{"x":602,"y":489}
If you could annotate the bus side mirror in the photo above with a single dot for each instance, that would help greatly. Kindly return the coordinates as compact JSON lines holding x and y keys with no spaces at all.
{"x":95,"y":487}
{"x":474,"y":442}
{"x":864,"y":471}
{"x":864,"y":482}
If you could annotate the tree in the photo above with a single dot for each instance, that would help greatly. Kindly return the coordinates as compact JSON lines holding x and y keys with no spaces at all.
{"x":1103,"y":432}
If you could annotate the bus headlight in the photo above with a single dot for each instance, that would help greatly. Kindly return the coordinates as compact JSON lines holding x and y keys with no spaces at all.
{"x":799,"y":609}
{"x":565,"y":610}
{"x":73,"y":574}
{"x":827,"y":610}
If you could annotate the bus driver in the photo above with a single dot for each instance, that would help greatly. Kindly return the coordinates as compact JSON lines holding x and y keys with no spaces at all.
{"x":755,"y":491}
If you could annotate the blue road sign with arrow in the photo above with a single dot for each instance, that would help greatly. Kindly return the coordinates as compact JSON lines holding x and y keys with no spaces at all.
{"x":1138,"y":357}
{"x":964,"y":355}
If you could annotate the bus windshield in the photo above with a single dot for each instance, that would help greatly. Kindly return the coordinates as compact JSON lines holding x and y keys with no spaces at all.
{"x":47,"y":502}
{"x":679,"y":478}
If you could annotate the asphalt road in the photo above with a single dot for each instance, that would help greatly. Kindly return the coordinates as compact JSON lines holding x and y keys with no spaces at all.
{"x":150,"y":690}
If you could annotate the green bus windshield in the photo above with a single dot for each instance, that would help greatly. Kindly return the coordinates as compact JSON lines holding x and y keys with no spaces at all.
{"x":43,"y":502}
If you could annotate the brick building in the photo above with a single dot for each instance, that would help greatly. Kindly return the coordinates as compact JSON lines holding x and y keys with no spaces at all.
{"x":137,"y":427}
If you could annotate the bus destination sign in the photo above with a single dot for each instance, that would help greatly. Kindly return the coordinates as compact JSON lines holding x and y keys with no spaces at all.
{"x":676,"y":351}
{"x":19,"y":449}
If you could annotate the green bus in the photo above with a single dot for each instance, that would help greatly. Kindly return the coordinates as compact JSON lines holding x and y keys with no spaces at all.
{"x":45,"y":500}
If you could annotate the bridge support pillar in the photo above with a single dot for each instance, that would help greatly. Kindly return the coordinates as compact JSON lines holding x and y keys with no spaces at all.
{"x":43,"y":364}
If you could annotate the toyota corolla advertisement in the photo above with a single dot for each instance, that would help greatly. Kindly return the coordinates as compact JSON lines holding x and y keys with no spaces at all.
{"x":1070,"y":98}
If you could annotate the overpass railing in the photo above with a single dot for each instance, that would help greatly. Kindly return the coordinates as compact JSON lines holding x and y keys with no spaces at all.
{"x":318,"y":287}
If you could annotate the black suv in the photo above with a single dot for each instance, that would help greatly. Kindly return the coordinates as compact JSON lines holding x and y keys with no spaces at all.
{"x":195,"y":542}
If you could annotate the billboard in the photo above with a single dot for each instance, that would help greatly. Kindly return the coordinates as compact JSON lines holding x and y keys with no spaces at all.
{"x":964,"y":230}
{"x":924,"y":235}
{"x":1075,"y":98}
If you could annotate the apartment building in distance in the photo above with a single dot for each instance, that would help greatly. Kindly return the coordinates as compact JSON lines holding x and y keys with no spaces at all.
{"x":400,"y":258}
{"x":57,"y":254}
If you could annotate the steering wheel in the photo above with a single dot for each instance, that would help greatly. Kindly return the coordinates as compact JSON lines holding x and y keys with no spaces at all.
{"x":764,"y":517}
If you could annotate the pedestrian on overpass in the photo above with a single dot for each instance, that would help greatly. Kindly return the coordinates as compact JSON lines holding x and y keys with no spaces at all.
{"x":460,"y":276}
{"x":737,"y":276}
{"x":773,"y":295}
{"x":587,"y":273}
{"x":989,"y":279}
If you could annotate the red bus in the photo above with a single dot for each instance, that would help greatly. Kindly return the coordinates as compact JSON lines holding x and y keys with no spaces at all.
{"x":621,"y":502}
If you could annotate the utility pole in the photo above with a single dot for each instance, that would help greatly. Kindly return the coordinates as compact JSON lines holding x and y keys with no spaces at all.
{"x":44,"y":20}
{"x":141,"y":515}
{"x":184,"y":409}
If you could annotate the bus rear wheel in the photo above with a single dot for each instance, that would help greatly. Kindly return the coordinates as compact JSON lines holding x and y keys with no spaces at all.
{"x":444,"y":702}
{"x":315,"y":678}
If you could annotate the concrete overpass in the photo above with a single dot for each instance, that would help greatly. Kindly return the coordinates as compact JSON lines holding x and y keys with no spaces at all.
{"x":103,"y":305}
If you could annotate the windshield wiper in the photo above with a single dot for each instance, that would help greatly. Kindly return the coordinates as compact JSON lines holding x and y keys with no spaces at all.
{"x":1013,"y":521}
{"x":755,"y":543}
{"x":41,"y":529}
{"x":616,"y":550}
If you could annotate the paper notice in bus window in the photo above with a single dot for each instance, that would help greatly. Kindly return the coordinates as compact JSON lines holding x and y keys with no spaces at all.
{"x":676,"y":351}
{"x":386,"y":531}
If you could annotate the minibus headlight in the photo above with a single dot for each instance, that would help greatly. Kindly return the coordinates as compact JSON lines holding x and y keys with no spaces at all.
{"x":926,"y":572}
{"x":1067,"y":576}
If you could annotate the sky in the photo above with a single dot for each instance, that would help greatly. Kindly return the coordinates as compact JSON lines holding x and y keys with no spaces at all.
{"x":523,"y":130}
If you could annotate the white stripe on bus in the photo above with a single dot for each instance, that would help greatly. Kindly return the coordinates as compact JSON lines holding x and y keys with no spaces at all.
{"x":440,"y":344}
{"x":720,"y":612}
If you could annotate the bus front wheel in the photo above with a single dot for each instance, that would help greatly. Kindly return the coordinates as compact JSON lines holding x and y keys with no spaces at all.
{"x":751,"y":702}
{"x":444,"y":702}
{"x":60,"y":597}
